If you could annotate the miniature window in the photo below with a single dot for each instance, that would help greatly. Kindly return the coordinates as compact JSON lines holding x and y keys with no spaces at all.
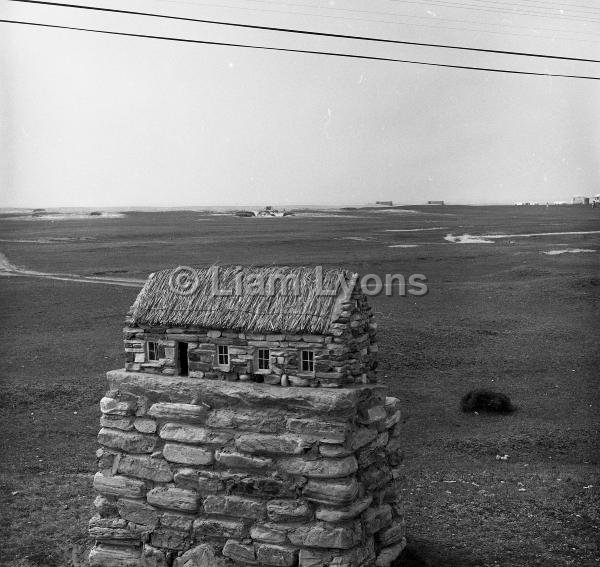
{"x":152,"y":347}
{"x":223,"y":355}
{"x":307,"y":361}
{"x":263,"y":359}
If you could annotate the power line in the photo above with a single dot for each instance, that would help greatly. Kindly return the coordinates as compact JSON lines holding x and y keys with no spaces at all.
{"x":543,"y":7}
{"x":303,"y":32}
{"x":576,"y":9}
{"x":535,"y":4}
{"x":496,"y":9}
{"x":304,"y":51}
{"x":441,"y":3}
{"x":499,"y":4}
{"x":385,"y":21}
{"x":482,"y":6}
{"x":396,"y":14}
{"x":569,"y":6}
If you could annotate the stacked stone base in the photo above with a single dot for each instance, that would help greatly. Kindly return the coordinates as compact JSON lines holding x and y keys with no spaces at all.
{"x":203,"y":473}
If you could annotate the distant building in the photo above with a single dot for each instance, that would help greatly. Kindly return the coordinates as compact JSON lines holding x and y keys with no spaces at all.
{"x":435,"y":202}
{"x":386,"y":203}
{"x":580,"y":200}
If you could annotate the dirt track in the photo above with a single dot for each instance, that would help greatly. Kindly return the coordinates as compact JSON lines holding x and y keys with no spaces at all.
{"x":9,"y":269}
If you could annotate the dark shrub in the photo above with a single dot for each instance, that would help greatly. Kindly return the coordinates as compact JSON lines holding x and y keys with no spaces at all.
{"x":486,"y":400}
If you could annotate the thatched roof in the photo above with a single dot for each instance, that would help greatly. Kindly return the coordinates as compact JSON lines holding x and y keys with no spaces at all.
{"x":191,"y":297}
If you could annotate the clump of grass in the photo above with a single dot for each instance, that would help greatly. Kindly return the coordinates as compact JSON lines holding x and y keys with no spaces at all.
{"x":486,"y":401}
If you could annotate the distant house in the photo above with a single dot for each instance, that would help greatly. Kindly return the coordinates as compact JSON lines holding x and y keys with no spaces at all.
{"x":279,"y":325}
{"x":580,"y":200}
{"x":435,"y":202}
{"x":386,"y":203}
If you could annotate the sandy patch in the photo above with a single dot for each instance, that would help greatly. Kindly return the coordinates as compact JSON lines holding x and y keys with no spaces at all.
{"x":567,"y":251}
{"x":52,"y":240}
{"x":489,"y":238}
{"x":325,"y":215}
{"x":398,"y":211}
{"x":497,"y":236}
{"x":403,"y":246}
{"x":414,"y":229}
{"x":467,"y":239}
{"x":8,"y":269}
{"x":67,"y":216}
{"x":6,"y":265}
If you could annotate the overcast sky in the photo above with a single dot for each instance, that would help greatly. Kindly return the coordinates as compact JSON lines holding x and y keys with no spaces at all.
{"x":96,"y":120}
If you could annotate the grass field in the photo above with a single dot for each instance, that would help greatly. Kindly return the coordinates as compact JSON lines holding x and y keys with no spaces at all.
{"x":502,"y":315}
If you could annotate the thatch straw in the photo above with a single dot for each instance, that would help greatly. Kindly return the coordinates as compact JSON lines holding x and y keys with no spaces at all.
{"x":282,"y":308}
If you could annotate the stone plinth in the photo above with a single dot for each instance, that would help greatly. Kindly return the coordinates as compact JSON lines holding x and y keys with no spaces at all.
{"x":196,"y":472}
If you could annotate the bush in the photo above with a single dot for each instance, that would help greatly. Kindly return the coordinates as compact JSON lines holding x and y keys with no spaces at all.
{"x":486,"y":400}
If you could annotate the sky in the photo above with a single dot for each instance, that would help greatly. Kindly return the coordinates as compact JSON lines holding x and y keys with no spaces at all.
{"x":92,"y":120}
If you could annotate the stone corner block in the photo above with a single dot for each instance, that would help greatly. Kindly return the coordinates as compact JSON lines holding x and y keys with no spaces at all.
{"x":114,"y":556}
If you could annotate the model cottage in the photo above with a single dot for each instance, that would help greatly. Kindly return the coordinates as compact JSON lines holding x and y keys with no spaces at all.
{"x":288,"y":326}
{"x":247,"y":428}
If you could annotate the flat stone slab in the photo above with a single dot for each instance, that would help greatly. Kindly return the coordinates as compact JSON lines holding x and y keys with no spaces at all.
{"x":118,"y":485}
{"x":216,"y":393}
{"x":111,"y":556}
{"x":320,"y":468}
{"x":174,"y":498}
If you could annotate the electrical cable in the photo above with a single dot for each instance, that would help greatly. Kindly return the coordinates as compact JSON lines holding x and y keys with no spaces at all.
{"x":303,"y":51}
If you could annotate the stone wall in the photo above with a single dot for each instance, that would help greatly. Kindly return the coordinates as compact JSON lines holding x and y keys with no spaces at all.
{"x":347,"y":354}
{"x":204,"y":473}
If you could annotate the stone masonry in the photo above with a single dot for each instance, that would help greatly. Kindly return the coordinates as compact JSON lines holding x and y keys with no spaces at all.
{"x":345,"y":354}
{"x":245,"y":474}
{"x":248,"y":431}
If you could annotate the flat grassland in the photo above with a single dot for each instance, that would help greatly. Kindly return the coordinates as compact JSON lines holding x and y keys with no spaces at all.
{"x":503,"y":315}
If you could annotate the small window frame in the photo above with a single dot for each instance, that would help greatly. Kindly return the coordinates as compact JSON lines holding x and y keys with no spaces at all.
{"x":152,"y":351}
{"x":223,"y":357}
{"x":306,"y":361}
{"x":263,"y":361}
